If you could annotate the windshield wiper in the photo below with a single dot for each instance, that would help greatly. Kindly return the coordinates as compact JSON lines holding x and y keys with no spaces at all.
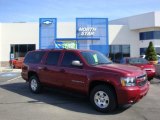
{"x":101,"y":63}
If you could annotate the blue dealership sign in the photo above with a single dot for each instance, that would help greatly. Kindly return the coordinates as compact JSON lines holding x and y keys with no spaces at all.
{"x":95,"y":31}
{"x":47,"y":33}
{"x":91,"y":33}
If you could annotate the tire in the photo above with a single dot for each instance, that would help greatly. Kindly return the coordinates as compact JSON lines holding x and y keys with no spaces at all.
{"x":103,"y":98}
{"x":13,"y":66}
{"x":35,"y":85}
{"x":151,"y":78}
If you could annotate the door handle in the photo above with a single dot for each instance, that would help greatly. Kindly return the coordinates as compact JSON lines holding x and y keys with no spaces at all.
{"x":42,"y":68}
{"x":62,"y":70}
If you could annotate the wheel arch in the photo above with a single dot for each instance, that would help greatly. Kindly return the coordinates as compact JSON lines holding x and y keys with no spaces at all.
{"x":32,"y":73}
{"x":100,"y":82}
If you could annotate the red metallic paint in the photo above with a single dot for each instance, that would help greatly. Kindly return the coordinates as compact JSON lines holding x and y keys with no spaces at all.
{"x":81,"y":79}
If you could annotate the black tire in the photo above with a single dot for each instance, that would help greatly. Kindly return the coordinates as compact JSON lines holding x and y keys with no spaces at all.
{"x":151,"y":78}
{"x":109,"y":93}
{"x":37,"y":89}
{"x":13,"y":66}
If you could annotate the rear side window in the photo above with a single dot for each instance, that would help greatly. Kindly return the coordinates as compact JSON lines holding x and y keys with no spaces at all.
{"x":68,"y":58}
{"x":52,"y":58}
{"x":34,"y":57}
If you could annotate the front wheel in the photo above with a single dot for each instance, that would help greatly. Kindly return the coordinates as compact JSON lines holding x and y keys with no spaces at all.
{"x":150,"y":78}
{"x":103,"y":98}
{"x":34,"y":84}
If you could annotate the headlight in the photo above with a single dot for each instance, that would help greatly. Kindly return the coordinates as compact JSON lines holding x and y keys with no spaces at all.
{"x":128,"y":81}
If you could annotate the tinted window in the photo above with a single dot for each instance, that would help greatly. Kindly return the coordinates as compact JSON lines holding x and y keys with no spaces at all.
{"x":52,"y":58}
{"x":117,"y":52}
{"x":34,"y":57}
{"x":68,"y":58}
{"x":149,"y":35}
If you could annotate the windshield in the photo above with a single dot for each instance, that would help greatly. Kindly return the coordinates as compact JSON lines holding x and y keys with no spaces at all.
{"x":95,"y":58}
{"x":137,"y":61}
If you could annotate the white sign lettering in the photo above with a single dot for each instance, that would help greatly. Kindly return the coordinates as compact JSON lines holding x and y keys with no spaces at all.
{"x":87,"y":31}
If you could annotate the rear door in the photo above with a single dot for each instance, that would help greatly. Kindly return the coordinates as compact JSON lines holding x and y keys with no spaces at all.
{"x":49,"y":72}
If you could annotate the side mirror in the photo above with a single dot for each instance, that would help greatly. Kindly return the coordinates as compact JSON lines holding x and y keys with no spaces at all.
{"x":77,"y":63}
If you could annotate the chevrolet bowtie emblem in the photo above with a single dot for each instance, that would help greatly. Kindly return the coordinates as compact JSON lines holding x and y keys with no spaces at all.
{"x":47,"y":22}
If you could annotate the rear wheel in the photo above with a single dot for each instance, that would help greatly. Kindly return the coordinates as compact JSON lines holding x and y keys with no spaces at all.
{"x":103,"y":98}
{"x":34,"y":84}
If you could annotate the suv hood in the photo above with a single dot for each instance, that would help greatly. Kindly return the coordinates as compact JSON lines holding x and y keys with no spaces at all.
{"x":123,"y":69}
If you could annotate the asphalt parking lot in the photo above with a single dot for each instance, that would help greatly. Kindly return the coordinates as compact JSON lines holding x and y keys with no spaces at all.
{"x":18,"y":103}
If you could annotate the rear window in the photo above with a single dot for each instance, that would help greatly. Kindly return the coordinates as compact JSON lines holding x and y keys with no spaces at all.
{"x":52,"y":58}
{"x":34,"y":57}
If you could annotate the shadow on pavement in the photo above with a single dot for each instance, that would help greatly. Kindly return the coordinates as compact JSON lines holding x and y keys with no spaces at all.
{"x":155,"y":81}
{"x":56,"y":97}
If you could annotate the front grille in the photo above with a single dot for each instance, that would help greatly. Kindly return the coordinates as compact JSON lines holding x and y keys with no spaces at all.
{"x":142,"y":80}
{"x":142,"y":76}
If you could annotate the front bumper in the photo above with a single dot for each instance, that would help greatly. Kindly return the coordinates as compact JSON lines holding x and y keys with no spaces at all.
{"x":130,"y":95}
{"x":150,"y":73}
{"x":24,"y":76}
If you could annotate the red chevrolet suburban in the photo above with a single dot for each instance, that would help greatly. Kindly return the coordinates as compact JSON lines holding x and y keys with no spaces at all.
{"x":88,"y":72}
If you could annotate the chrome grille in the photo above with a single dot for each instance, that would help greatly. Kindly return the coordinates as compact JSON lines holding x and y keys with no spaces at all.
{"x":142,"y":80}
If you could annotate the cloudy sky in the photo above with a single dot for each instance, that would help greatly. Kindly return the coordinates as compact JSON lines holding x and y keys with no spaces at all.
{"x":68,"y":10}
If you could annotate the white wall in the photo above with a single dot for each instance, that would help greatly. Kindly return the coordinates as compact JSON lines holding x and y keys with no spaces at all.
{"x":145,"y":43}
{"x":121,"y":35}
{"x":121,"y":21}
{"x":66,"y":30}
{"x":18,"y":33}
{"x":142,"y":21}
{"x":0,"y":43}
{"x":157,"y":19}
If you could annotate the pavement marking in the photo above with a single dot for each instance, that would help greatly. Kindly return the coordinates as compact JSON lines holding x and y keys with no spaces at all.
{"x":8,"y":74}
{"x":13,"y":79}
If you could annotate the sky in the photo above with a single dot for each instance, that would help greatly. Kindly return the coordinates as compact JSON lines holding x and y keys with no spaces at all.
{"x":68,"y":10}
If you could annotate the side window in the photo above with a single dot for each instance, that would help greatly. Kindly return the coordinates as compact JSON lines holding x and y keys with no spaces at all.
{"x":52,"y":58}
{"x":68,"y":58}
{"x":34,"y":57}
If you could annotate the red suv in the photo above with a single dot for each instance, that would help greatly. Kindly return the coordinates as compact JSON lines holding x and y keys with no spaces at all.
{"x":88,"y":72}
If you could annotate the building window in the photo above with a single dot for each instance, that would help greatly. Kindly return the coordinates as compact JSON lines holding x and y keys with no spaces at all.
{"x":143,"y":50}
{"x":149,"y":35}
{"x":117,"y":52}
{"x":20,"y":50}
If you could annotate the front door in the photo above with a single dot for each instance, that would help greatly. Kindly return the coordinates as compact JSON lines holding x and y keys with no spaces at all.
{"x":73,"y":77}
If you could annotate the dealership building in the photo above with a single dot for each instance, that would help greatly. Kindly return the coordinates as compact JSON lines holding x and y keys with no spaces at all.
{"x":125,"y":37}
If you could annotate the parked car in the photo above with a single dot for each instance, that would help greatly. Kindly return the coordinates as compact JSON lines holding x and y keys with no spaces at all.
{"x":17,"y":62}
{"x":158,"y":59}
{"x":158,"y":56}
{"x":143,"y":64}
{"x":87,"y":72}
